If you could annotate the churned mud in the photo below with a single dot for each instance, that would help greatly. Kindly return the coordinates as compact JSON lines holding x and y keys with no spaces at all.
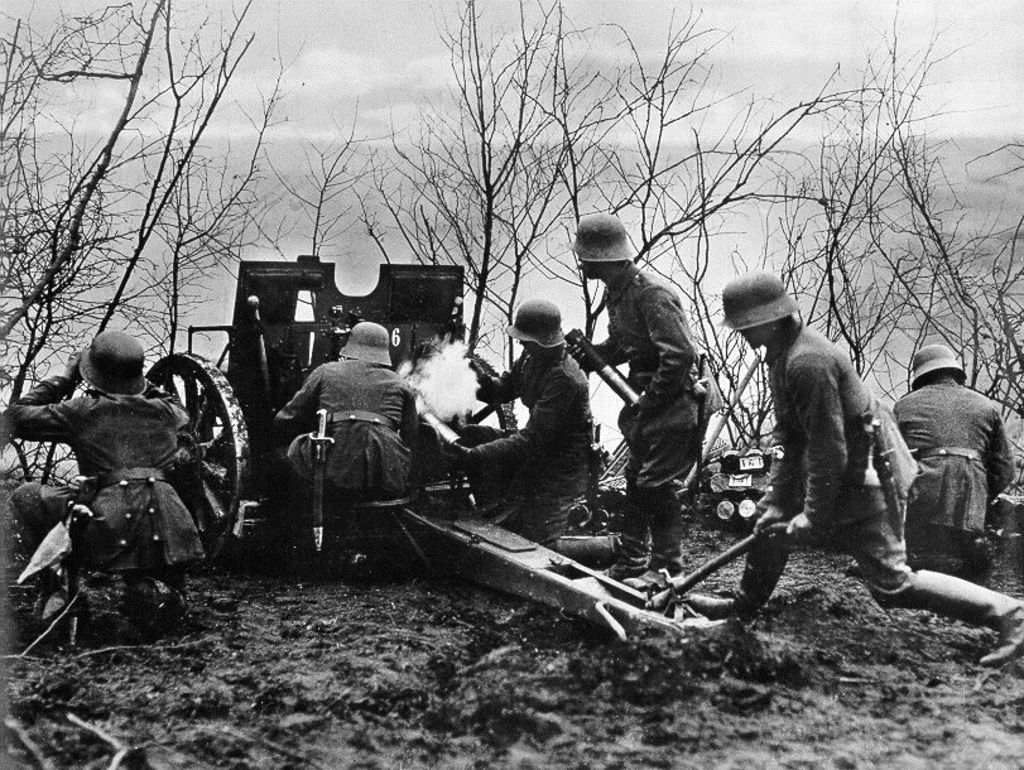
{"x":273,"y":672}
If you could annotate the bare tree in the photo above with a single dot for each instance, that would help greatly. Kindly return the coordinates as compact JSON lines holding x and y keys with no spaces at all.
{"x":328,"y":192}
{"x":105,"y":218}
{"x":92,"y":227}
{"x":476,"y":185}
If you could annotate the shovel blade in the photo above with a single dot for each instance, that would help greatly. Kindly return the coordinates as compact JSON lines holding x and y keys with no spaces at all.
{"x":55,"y":546}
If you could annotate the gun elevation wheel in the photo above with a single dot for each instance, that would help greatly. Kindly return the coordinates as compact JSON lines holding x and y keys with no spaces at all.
{"x":218,"y":470}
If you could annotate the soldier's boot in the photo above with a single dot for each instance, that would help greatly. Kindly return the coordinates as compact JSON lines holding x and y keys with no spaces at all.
{"x":51,"y":596}
{"x":971,"y":603}
{"x":140,"y":604}
{"x":711,"y":607}
{"x":978,"y":552}
{"x":766,"y":561}
{"x":666,"y":530}
{"x":172,"y":605}
{"x":634,"y":552}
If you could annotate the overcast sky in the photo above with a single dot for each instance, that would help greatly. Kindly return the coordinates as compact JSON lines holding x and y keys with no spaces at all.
{"x":381,"y":59}
{"x":386,"y":55}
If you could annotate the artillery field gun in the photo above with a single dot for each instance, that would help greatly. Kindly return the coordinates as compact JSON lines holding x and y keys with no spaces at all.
{"x":290,"y":317}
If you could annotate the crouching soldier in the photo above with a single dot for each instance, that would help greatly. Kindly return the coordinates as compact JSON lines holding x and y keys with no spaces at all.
{"x":825,"y":485}
{"x":371,"y":411}
{"x":128,"y":519}
{"x":544,"y":466}
{"x":957,"y":436}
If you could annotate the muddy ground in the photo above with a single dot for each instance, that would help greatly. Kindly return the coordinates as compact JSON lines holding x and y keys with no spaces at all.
{"x":271,"y":672}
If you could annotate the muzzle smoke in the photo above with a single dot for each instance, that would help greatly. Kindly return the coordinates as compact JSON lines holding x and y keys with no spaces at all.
{"x":446,"y":383}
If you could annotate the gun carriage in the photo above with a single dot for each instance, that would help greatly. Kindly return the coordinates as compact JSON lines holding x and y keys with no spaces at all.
{"x":290,"y":317}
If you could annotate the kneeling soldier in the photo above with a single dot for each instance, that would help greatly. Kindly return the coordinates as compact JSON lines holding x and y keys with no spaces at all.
{"x":957,"y":436}
{"x":372,"y":415}
{"x":124,"y":433}
{"x":544,"y":467}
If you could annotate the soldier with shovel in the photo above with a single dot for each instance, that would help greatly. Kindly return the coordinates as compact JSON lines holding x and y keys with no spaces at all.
{"x":844,"y":476}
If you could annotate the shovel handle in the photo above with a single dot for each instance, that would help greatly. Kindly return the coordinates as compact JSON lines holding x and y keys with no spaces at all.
{"x":683,"y":583}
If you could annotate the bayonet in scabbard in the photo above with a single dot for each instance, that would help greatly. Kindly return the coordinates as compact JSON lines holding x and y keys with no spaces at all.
{"x":320,"y":441}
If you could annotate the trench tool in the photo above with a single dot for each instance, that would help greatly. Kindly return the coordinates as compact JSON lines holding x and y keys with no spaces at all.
{"x":320,"y":441}
{"x":683,"y":583}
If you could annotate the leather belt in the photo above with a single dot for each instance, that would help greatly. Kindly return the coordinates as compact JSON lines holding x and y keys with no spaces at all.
{"x":950,"y":451}
{"x":360,"y":415}
{"x":152,"y":475}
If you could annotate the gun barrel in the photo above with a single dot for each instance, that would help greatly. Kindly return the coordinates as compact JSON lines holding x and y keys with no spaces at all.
{"x":586,"y":354}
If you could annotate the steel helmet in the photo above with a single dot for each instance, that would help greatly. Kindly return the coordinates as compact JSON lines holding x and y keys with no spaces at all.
{"x":113,"y":363}
{"x":368,"y":342}
{"x":755,"y":299}
{"x":602,"y":238}
{"x":540,"y":321}
{"x":932,"y":358}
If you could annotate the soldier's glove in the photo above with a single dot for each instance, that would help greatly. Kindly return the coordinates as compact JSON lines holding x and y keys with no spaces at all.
{"x":577,"y":352}
{"x":71,"y":371}
{"x":800,"y":529}
{"x":483,"y":379}
{"x":644,"y":405}
{"x":772,"y":515}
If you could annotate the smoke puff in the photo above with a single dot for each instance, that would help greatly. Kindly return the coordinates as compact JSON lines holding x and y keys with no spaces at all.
{"x":445,"y":382}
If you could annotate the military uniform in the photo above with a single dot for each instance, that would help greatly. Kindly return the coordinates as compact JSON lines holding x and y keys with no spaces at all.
{"x":826,"y":482}
{"x":547,"y":462}
{"x":966,"y":459}
{"x":647,"y":329}
{"x":127,"y":445}
{"x":373,"y":419}
{"x":821,"y":414}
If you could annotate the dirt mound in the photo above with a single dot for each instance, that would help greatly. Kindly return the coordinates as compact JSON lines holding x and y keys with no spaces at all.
{"x":271,"y":672}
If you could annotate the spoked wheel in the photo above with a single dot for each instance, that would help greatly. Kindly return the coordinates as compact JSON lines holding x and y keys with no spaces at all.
{"x":219,"y":469}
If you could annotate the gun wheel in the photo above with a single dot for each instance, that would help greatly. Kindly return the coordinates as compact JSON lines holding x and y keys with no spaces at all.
{"x":218,"y":470}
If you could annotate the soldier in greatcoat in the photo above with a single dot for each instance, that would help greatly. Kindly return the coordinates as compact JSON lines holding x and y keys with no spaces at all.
{"x":124,"y":434}
{"x":825,"y":485}
{"x":545,"y":465}
{"x":372,"y":416}
{"x":960,"y":442}
{"x":648,"y":329}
